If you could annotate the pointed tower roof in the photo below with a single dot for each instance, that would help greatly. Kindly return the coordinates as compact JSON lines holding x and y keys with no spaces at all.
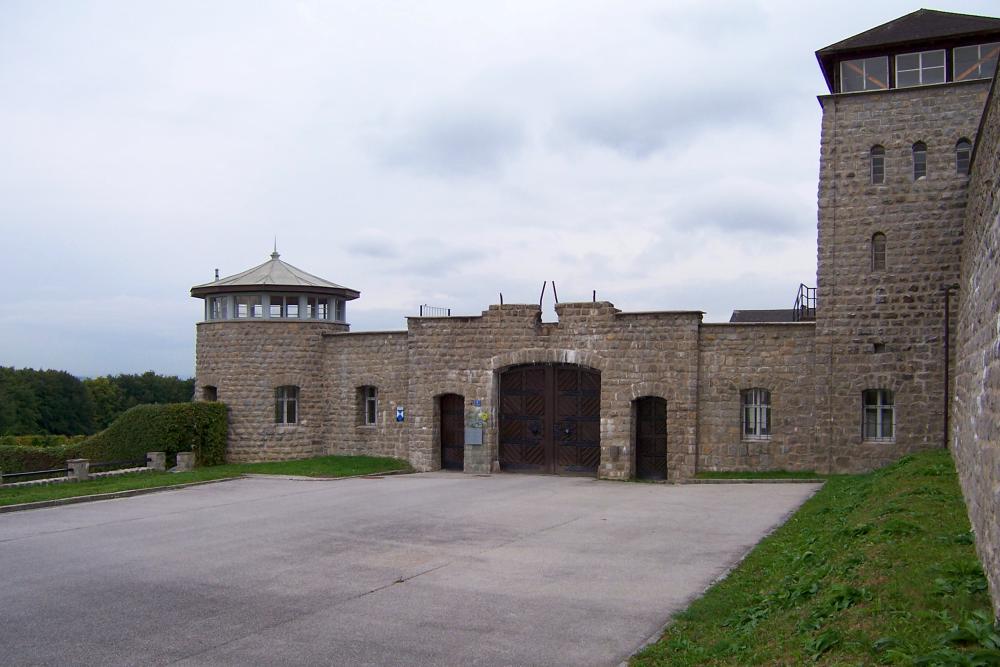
{"x":274,"y":275}
{"x":923,"y":27}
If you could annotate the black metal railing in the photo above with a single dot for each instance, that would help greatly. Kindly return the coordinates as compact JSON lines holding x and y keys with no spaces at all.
{"x":804,"y":309}
{"x":32,"y":473}
{"x":116,"y":465}
{"x":434,"y":311}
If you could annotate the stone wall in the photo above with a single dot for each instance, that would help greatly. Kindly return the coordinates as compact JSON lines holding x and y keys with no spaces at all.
{"x":975,"y":434}
{"x":776,"y":357}
{"x":902,"y":307}
{"x":246,"y":361}
{"x":355,"y":360}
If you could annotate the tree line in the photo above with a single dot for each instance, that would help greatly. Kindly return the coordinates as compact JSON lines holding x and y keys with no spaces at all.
{"x":48,"y":402}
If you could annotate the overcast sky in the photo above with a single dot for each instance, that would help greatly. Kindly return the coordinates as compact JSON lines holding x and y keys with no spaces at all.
{"x":663,"y":153}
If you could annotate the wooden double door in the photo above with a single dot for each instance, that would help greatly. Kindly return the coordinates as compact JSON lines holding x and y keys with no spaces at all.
{"x":452,"y":408}
{"x":550,"y":419}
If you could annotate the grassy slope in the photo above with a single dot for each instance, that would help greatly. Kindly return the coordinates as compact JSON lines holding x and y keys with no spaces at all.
{"x":325,"y":466}
{"x":874,"y":569}
{"x":769,"y":474}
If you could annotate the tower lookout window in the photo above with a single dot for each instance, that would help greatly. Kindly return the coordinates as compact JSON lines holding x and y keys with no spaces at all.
{"x":919,"y":69}
{"x":976,"y":62}
{"x":864,"y":74}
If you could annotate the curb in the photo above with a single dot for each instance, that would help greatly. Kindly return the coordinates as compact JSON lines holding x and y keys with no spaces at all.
{"x":73,"y":500}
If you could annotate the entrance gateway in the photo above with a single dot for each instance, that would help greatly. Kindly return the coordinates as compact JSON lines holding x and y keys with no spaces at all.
{"x":550,"y":419}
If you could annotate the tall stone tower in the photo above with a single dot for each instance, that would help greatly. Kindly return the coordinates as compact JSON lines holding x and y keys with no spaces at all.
{"x":259,"y":349}
{"x":899,"y":125}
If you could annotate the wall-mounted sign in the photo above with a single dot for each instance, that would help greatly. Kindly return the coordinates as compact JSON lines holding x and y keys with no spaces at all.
{"x":478,"y":403}
{"x":400,"y":414}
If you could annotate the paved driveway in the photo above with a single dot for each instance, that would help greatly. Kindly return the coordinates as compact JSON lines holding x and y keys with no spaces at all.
{"x":439,"y":568}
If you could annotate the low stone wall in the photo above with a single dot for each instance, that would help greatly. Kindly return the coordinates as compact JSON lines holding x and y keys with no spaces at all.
{"x":975,"y":434}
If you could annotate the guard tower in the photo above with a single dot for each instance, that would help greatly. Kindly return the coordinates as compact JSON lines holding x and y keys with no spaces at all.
{"x":259,"y":349}
{"x":899,"y":125}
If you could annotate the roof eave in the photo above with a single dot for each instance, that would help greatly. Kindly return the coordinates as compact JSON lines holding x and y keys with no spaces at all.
{"x":201,"y":291}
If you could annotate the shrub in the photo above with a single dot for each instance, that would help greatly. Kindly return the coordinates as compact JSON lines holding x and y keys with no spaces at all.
{"x":23,"y":458}
{"x":171,"y":428}
{"x":41,"y":440}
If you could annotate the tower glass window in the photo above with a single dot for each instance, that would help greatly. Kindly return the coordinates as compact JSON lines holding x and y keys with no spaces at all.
{"x":217,"y":308}
{"x":284,"y":306}
{"x":877,"y":157}
{"x":878,"y":251}
{"x":963,"y":156}
{"x":919,"y":160}
{"x":341,"y":310}
{"x":864,"y":74}
{"x":286,"y":404}
{"x":756,"y":414}
{"x":920,"y":69}
{"x":250,"y":306}
{"x":877,"y":418}
{"x":976,"y":62}
{"x":317,"y":308}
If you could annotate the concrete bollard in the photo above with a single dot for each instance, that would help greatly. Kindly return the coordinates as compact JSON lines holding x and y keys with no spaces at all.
{"x":156,"y":460}
{"x":79,"y":469}
{"x":185,"y":462}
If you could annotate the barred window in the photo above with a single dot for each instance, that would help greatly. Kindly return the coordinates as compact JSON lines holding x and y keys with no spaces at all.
{"x":286,"y":404}
{"x":877,"y":418}
{"x":367,"y":405}
{"x":963,"y":156}
{"x":878,"y":252}
{"x":756,"y":414}
{"x":877,"y":156}
{"x":919,"y":160}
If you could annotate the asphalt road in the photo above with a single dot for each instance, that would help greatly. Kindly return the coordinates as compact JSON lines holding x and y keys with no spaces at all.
{"x":439,"y":568}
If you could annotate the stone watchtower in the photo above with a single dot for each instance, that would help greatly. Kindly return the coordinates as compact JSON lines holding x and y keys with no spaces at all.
{"x":259,"y":350}
{"x":899,"y":125}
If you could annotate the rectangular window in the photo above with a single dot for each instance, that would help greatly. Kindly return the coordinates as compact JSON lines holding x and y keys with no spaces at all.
{"x":217,"y":308}
{"x":284,"y":306}
{"x":369,"y":405}
{"x":864,"y":74}
{"x":286,"y":404}
{"x":976,"y":62}
{"x":249,"y":307}
{"x":919,"y":69}
{"x":341,"y":314}
{"x":877,"y":418}
{"x":756,"y":414}
{"x":317,"y":308}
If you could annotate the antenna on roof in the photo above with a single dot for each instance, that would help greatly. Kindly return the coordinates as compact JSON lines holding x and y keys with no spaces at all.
{"x":216,"y":275}
{"x":275,"y":255}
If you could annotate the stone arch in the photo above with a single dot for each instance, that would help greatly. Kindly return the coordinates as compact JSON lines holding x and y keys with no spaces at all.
{"x":650,"y":389}
{"x":549,"y":356}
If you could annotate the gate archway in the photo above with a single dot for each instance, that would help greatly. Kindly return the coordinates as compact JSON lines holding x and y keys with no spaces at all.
{"x":550,"y":419}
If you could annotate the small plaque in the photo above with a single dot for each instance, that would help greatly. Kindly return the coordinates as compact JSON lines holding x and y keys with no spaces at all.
{"x":400,"y":414}
{"x":473,"y":436}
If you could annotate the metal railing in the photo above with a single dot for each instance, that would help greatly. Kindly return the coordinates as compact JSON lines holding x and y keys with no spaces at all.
{"x":804,"y":309}
{"x":434,"y":311}
{"x":31,"y":473}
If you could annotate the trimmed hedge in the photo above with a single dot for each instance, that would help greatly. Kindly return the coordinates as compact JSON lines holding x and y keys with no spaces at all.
{"x":171,"y":428}
{"x":174,"y":427}
{"x":41,"y":440}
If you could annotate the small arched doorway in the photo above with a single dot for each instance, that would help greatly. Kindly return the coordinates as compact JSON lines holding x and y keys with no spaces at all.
{"x":452,"y":408}
{"x":650,"y":438}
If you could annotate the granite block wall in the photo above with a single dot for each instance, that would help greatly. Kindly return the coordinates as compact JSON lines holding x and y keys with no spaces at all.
{"x":975,"y":433}
{"x":776,"y":357}
{"x":882,"y":329}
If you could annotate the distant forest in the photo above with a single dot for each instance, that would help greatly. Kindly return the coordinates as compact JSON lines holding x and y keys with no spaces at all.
{"x":57,"y":403}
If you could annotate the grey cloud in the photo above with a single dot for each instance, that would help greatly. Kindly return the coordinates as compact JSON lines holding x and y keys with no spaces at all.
{"x":640,"y":125}
{"x":374,"y":248}
{"x":455,"y":144}
{"x":742,"y":212}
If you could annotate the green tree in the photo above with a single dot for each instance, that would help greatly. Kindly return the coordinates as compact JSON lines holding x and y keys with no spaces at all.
{"x":19,"y":412}
{"x":107,"y":399}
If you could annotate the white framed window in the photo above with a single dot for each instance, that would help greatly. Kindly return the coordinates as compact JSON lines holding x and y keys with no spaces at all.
{"x":963,"y":157}
{"x":877,"y":419}
{"x":864,"y":74}
{"x":341,"y":310}
{"x":249,"y":306}
{"x":217,"y":308}
{"x":756,"y":414}
{"x":877,"y":158}
{"x":286,"y":404}
{"x":284,"y":306}
{"x":368,"y":405}
{"x":920,"y":69}
{"x":975,"y":62}
{"x":919,"y":160}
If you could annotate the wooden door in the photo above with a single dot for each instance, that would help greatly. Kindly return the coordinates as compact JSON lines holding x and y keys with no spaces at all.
{"x":651,"y":438}
{"x":453,"y":432}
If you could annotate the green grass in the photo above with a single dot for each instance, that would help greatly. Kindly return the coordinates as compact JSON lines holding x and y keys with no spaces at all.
{"x":873,"y":569}
{"x":769,"y":474}
{"x":324,"y":466}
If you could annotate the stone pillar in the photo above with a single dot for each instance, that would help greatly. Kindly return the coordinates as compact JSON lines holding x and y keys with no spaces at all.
{"x":156,"y":460}
{"x":79,"y":469}
{"x":185,"y":462}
